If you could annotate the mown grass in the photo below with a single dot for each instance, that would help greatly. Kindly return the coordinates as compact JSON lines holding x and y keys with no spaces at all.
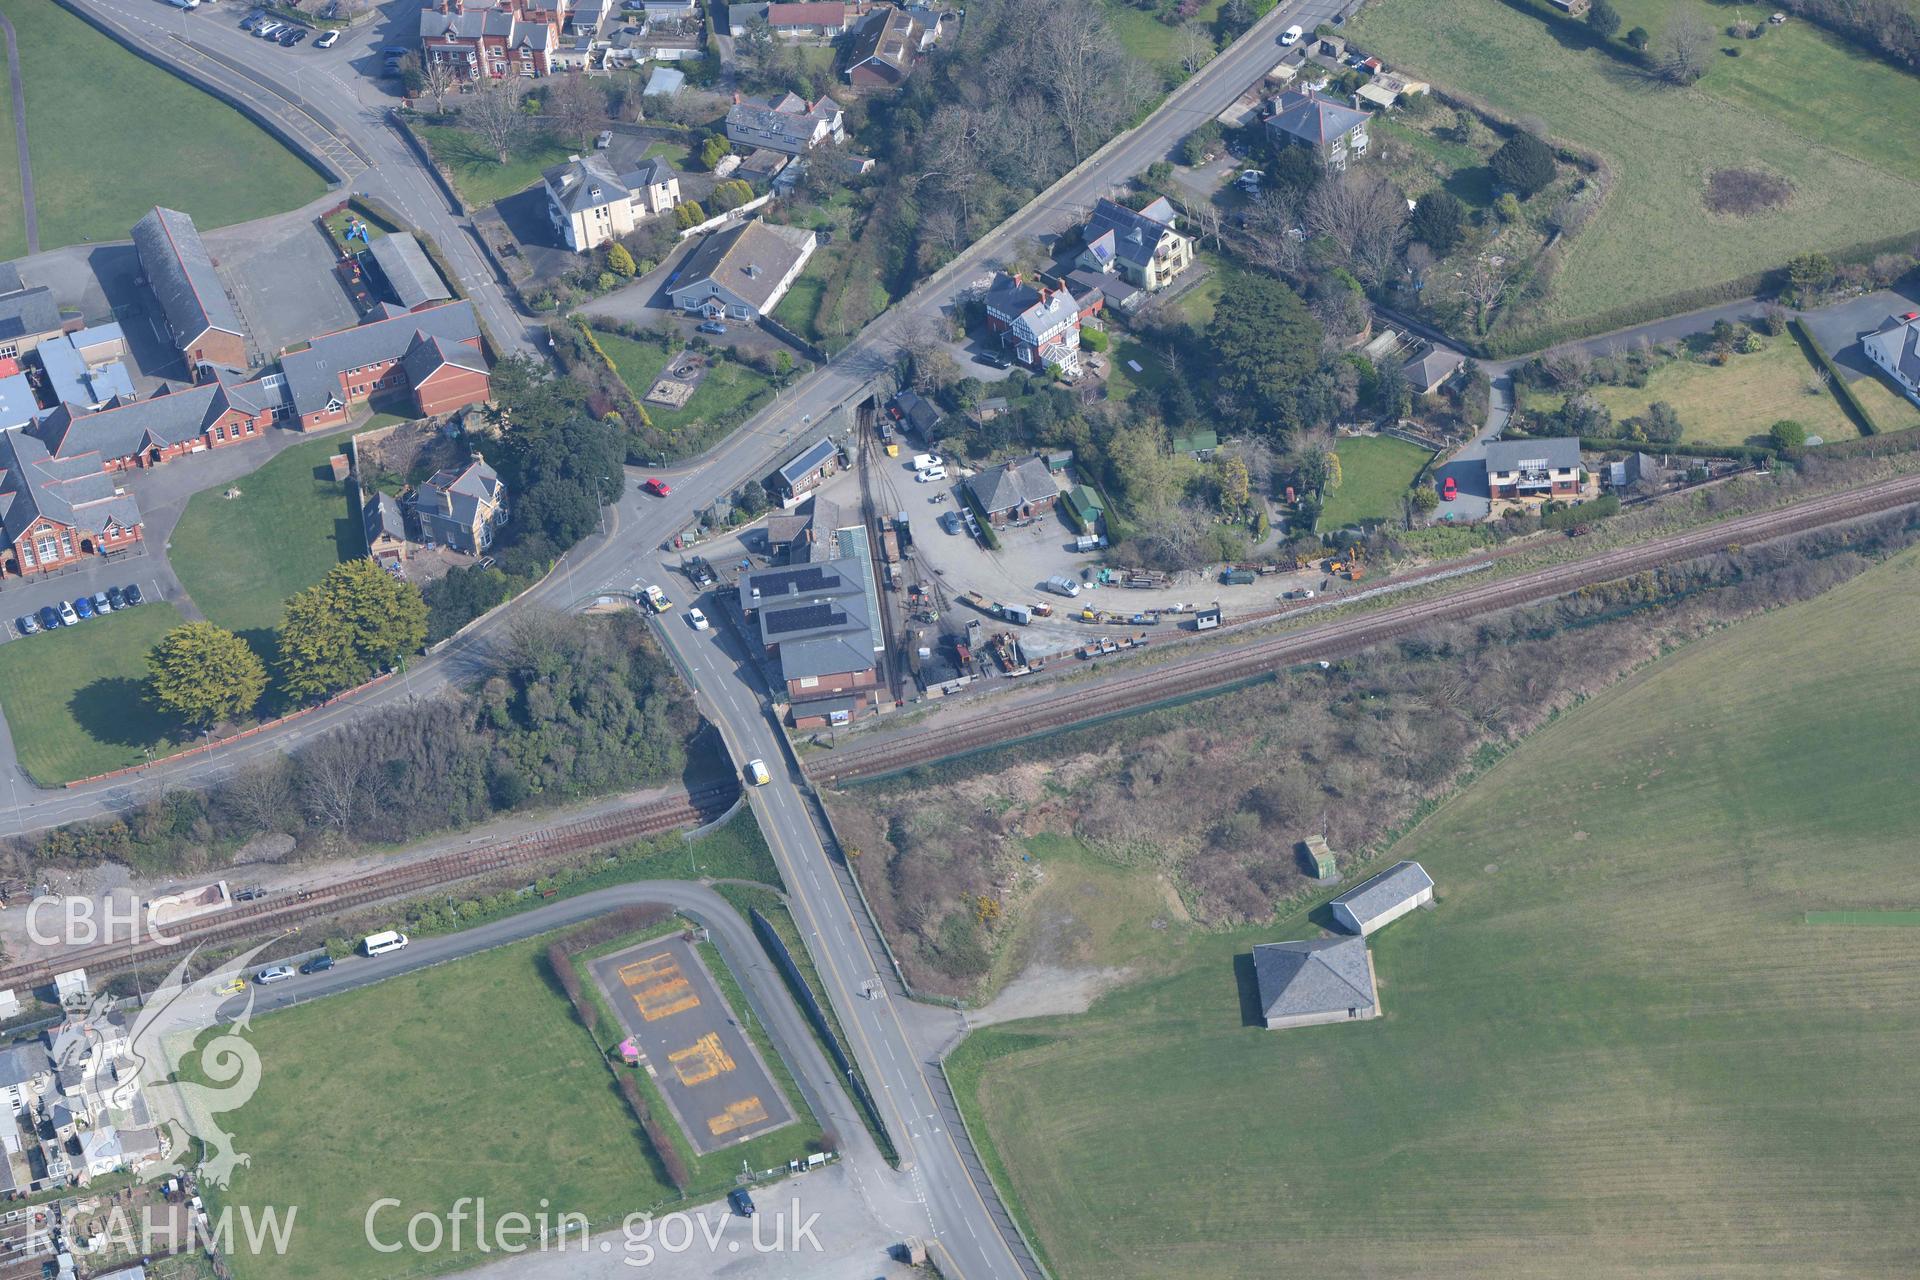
{"x":1653,"y":235}
{"x":476,"y":170}
{"x":1612,"y":1050}
{"x":113,"y":135}
{"x":725,"y":398}
{"x":1374,"y":472}
{"x":75,"y":699}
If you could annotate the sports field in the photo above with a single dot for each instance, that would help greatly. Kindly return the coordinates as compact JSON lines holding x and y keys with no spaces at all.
{"x":113,"y":135}
{"x":1653,"y":233}
{"x":1614,"y":1049}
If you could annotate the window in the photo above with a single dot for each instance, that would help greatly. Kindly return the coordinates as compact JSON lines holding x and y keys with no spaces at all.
{"x":809,"y":682}
{"x":66,"y":543}
{"x":26,"y":557}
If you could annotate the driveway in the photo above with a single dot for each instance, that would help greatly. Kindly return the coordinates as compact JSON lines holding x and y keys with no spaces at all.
{"x":1838,"y":328}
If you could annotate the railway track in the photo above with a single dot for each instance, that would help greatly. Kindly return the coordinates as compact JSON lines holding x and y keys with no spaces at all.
{"x":288,"y":913}
{"x":991,"y":726}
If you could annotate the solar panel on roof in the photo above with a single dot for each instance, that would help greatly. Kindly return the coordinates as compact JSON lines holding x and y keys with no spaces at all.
{"x":807,"y":617}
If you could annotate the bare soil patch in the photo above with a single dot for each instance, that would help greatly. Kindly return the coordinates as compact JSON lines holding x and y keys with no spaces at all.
{"x":1740,"y":193}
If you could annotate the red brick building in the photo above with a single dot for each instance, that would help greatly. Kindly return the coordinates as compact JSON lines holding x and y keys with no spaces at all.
{"x":433,"y":356}
{"x":205,"y":325}
{"x":171,"y":422}
{"x":56,"y":511}
{"x":495,"y":38}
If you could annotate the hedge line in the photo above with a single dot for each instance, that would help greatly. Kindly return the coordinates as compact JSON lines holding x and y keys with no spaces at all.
{"x":1862,"y":418}
{"x":1744,"y":452}
{"x":1865,"y":447}
{"x":987,"y":534}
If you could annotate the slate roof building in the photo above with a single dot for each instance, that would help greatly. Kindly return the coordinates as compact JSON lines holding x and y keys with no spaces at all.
{"x":57,"y":511}
{"x":172,"y":421}
{"x":433,"y":355}
{"x":805,"y":470}
{"x":590,"y":203}
{"x":1548,"y":468}
{"x":1430,"y":371}
{"x":1014,"y":490}
{"x":884,"y":49}
{"x":83,"y":369}
{"x":28,"y":316}
{"x":385,"y":525}
{"x":1895,"y":347}
{"x":460,"y":507}
{"x":495,"y":38}
{"x":1380,"y":901}
{"x":1040,"y":325}
{"x":411,"y":279}
{"x":1306,"y":118}
{"x":1141,"y":246}
{"x":742,"y":272}
{"x":1303,"y":984}
{"x":787,"y":123}
{"x":205,"y":325}
{"x":818,"y":620}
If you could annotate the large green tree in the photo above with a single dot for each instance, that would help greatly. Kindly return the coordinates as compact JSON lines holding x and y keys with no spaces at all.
{"x":205,"y":674}
{"x":1439,"y":222}
{"x":1523,"y":163}
{"x":352,"y":623}
{"x":1265,"y":345}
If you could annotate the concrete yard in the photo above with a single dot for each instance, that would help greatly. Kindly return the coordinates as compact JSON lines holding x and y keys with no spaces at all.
{"x":281,"y":274}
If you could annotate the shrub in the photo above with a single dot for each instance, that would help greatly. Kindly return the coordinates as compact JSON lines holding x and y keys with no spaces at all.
{"x":1524,"y":163}
{"x":620,"y":262}
{"x":1638,"y":39}
{"x":1787,"y":434}
{"x":1508,"y":207}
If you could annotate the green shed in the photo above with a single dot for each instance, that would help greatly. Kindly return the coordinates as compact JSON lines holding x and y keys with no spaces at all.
{"x":1318,"y":857}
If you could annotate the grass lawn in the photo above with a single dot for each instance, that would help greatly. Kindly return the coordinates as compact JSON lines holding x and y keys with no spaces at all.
{"x":1196,"y":305}
{"x":291,"y":504}
{"x":468,"y":1079}
{"x":1737,"y":402}
{"x":98,"y":166}
{"x":1891,"y":411}
{"x":725,"y":398}
{"x":1155,"y":42}
{"x":1662,"y":144}
{"x":477,"y":172}
{"x":75,"y":700}
{"x":682,"y":156}
{"x":1374,"y":472}
{"x":1614,"y":1049}
{"x":799,"y":310}
{"x":1122,"y":381}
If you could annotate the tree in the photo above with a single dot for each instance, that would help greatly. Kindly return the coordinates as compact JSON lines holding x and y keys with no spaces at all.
{"x":1603,"y":18}
{"x":494,"y":113}
{"x":1787,"y":434}
{"x":1523,"y":163}
{"x":438,"y":79}
{"x":715,"y":149}
{"x":1263,"y":347}
{"x":688,"y":213}
{"x":1201,"y":143}
{"x":355,"y":621}
{"x":205,"y":674}
{"x":1439,"y":222}
{"x":1333,"y":474}
{"x":1680,"y":54}
{"x":577,"y":106}
{"x":1194,"y":43}
{"x":1638,"y":39}
{"x":1425,"y":499}
{"x":620,"y":262}
{"x":1362,"y":213}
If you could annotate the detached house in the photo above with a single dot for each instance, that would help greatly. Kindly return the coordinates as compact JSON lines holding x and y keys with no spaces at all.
{"x":591,"y":204}
{"x":1015,"y":490}
{"x":434,"y":355}
{"x":205,"y":326}
{"x":494,"y":38}
{"x":788,"y":123}
{"x":1306,"y":118}
{"x":460,"y":507}
{"x":1140,"y":246}
{"x":1304,"y":984}
{"x":885,"y":49}
{"x":1895,"y":347}
{"x":1041,"y":326}
{"x":741,"y":273}
{"x":1534,"y":468}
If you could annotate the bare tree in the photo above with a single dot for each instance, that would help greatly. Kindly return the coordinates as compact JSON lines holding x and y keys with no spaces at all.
{"x":1273,"y":223}
{"x":261,"y":795}
{"x":441,"y":79}
{"x":494,"y":113}
{"x":1680,"y":52}
{"x":577,"y":106}
{"x":1203,"y":220}
{"x":1362,"y":213}
{"x":1484,"y":285}
{"x":333,"y":777}
{"x":1086,"y":71}
{"x":1194,"y":44}
{"x":1419,"y":264}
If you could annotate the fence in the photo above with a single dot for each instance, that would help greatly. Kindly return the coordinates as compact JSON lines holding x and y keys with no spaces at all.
{"x":721,"y":219}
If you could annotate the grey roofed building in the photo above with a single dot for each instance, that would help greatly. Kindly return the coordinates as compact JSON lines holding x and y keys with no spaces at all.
{"x":181,"y":274}
{"x":17,"y":403}
{"x":1129,"y":235}
{"x":24,"y":312}
{"x":1013,"y":486}
{"x":1428,"y":372}
{"x":914,"y":410}
{"x":1309,"y":117}
{"x":10,"y":281}
{"x":21,"y":1064}
{"x":459,"y":506}
{"x":170,"y":416}
{"x":745,"y":267}
{"x":664,"y":83}
{"x":814,"y":457}
{"x":1383,"y":898}
{"x":72,"y":379}
{"x":787,"y":123}
{"x":313,"y":375}
{"x":1307,"y":983}
{"x":815,"y":616}
{"x":589,"y":181}
{"x":429,"y":352}
{"x":1557,"y":452}
{"x":407,"y":270}
{"x":1895,"y":347}
{"x":383,"y":518}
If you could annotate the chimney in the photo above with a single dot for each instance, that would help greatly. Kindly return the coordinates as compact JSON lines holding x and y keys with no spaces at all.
{"x":736,"y":97}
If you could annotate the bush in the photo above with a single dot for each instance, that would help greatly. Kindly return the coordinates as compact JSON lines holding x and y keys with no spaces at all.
{"x":1524,"y":163}
{"x":1638,"y":39}
{"x":1787,"y":434}
{"x":1508,"y":207}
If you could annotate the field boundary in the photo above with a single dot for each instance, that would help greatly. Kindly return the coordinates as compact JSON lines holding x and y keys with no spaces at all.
{"x":1896,"y":919}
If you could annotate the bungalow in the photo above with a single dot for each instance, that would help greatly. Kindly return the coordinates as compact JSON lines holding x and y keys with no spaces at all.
{"x":817,"y":620}
{"x":1433,"y":369}
{"x":460,"y":507}
{"x":1141,"y":246}
{"x":1895,"y":348}
{"x":591,"y":204}
{"x":1306,"y":118}
{"x":1041,"y":326}
{"x":884,"y":50}
{"x":1304,"y":984}
{"x":434,"y":355}
{"x":1386,"y":89}
{"x":1380,"y":901}
{"x":787,"y":123}
{"x":1534,"y":468}
{"x":808,"y":20}
{"x":205,"y":326}
{"x":1014,"y":490}
{"x":742,"y":272}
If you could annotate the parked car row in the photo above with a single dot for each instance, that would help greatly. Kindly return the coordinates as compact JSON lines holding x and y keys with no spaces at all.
{"x":63,"y":614}
{"x":279,"y":30}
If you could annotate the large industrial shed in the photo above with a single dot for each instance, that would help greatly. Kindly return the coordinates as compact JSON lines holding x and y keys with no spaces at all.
{"x":1383,"y":899}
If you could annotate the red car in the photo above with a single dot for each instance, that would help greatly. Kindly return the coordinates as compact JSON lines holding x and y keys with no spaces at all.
{"x":657,"y":487}
{"x":1449,"y":490}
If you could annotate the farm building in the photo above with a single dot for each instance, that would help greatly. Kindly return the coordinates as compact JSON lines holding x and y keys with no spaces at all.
{"x":1384,"y":898}
{"x":1303,"y":984}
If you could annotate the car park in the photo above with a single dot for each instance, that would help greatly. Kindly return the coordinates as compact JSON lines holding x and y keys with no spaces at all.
{"x":319,"y":964}
{"x":657,"y":487}
{"x":101,"y":604}
{"x":697,"y":620}
{"x":68,"y":617}
{"x":273,"y":973}
{"x":83,"y":607}
{"x":27,"y":624}
{"x":49,"y":619}
{"x":133,"y":594}
{"x":116,"y":597}
{"x":327,"y":40}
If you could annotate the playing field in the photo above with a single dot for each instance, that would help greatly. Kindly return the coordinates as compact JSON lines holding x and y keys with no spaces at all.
{"x":1374,"y":472}
{"x":1614,"y":1049}
{"x":1653,"y":236}
{"x":113,"y":135}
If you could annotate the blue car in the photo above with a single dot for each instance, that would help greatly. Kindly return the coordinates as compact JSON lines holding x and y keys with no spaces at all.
{"x":713,"y":326}
{"x":49,"y":619}
{"x":83,"y":607}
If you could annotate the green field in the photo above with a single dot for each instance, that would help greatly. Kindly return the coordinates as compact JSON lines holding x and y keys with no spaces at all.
{"x":98,"y":165}
{"x":726,"y":397}
{"x":1653,"y":235}
{"x":467,"y":1079}
{"x":476,"y":171}
{"x":75,"y":700}
{"x":1157,"y":43}
{"x":292,"y":505}
{"x":1612,"y":1050}
{"x":1374,"y":472}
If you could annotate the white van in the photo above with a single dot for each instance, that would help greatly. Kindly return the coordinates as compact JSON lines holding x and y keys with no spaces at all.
{"x":926,"y":461}
{"x":379,"y":944}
